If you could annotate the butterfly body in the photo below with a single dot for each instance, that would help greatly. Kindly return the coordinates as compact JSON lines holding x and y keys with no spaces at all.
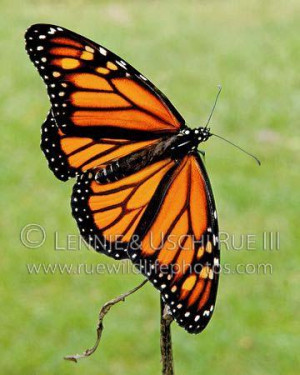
{"x":141,"y":192}
{"x":175,"y":147}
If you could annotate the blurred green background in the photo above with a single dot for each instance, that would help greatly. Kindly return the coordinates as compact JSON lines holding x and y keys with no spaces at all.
{"x":186,"y":48}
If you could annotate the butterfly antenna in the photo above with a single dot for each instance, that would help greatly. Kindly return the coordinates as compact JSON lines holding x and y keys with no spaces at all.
{"x":240,"y":148}
{"x":214,"y":106}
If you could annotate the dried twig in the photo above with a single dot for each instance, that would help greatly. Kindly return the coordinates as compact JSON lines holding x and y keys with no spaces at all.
{"x":165,"y":339}
{"x":104,"y":310}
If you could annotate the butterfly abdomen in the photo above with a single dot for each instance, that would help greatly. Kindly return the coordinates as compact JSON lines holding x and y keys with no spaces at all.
{"x":134,"y":162}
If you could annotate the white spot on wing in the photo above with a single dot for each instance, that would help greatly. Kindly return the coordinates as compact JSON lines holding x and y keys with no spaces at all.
{"x":102,"y":51}
{"x":51,"y":31}
{"x":214,"y":240}
{"x":122,"y":65}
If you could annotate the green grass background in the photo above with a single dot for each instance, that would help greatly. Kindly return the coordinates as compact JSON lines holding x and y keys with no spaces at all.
{"x":186,"y":48}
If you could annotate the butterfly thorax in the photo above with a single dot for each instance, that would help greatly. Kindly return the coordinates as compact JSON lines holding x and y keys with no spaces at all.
{"x":175,"y":147}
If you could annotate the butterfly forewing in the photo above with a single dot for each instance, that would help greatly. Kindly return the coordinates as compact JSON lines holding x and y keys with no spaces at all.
{"x":108,"y":215}
{"x":95,"y":93}
{"x":176,"y":245}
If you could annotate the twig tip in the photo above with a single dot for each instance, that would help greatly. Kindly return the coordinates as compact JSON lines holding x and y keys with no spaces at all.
{"x":71,"y":358}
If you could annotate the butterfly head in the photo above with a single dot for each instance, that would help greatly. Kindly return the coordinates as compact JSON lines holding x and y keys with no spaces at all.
{"x":202,"y":134}
{"x":196,"y":136}
{"x":189,"y":139}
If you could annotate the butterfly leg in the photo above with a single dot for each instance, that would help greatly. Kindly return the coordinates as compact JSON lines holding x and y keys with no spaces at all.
{"x":202,"y":153}
{"x":104,"y":310}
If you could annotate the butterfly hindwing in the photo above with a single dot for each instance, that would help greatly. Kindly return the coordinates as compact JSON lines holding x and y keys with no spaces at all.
{"x":51,"y":146}
{"x":95,"y":93}
{"x":69,"y":155}
{"x":177,"y":245}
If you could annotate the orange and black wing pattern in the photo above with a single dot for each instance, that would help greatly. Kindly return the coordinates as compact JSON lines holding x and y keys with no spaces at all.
{"x":162,"y":214}
{"x":70,"y":155}
{"x":93,"y":92}
{"x":108,"y":215}
{"x":177,"y":246}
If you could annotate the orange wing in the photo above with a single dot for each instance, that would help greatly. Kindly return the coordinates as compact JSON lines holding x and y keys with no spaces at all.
{"x":95,"y":93}
{"x":69,"y":155}
{"x":178,"y":248}
{"x":108,"y":215}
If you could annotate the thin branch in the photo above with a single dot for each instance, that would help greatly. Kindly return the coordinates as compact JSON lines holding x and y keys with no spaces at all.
{"x":165,"y":339}
{"x":104,"y":310}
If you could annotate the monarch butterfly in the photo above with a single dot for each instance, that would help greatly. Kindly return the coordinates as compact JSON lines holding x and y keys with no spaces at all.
{"x":142,"y":192}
